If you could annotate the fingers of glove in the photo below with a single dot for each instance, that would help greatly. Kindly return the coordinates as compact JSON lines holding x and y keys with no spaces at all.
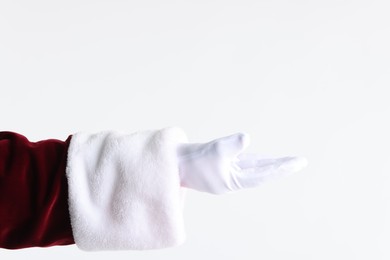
{"x":232,"y":145}
{"x":266,"y":169}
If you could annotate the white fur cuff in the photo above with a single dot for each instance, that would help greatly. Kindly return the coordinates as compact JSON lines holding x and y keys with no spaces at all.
{"x":124,"y":190}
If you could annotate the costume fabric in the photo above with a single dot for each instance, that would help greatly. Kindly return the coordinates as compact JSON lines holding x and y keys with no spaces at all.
{"x":124,"y":190}
{"x":33,"y":193}
{"x":104,"y":191}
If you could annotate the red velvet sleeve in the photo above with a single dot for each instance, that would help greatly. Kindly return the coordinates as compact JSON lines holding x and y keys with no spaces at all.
{"x":33,"y":193}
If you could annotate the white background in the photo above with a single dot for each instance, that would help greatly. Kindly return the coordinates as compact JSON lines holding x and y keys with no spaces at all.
{"x":302,"y":77}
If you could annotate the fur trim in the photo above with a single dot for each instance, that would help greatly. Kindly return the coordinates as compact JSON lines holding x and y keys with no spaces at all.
{"x":124,"y":190}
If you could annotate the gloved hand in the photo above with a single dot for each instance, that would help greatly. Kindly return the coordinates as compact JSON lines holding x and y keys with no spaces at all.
{"x":220,"y":166}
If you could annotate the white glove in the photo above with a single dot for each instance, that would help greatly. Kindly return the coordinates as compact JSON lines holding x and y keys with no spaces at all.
{"x":220,"y":166}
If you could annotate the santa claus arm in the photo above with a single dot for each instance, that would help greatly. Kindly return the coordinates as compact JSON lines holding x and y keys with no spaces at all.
{"x":110,"y":190}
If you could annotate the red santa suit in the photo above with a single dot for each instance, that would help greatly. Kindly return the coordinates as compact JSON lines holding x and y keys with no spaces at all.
{"x":104,"y":191}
